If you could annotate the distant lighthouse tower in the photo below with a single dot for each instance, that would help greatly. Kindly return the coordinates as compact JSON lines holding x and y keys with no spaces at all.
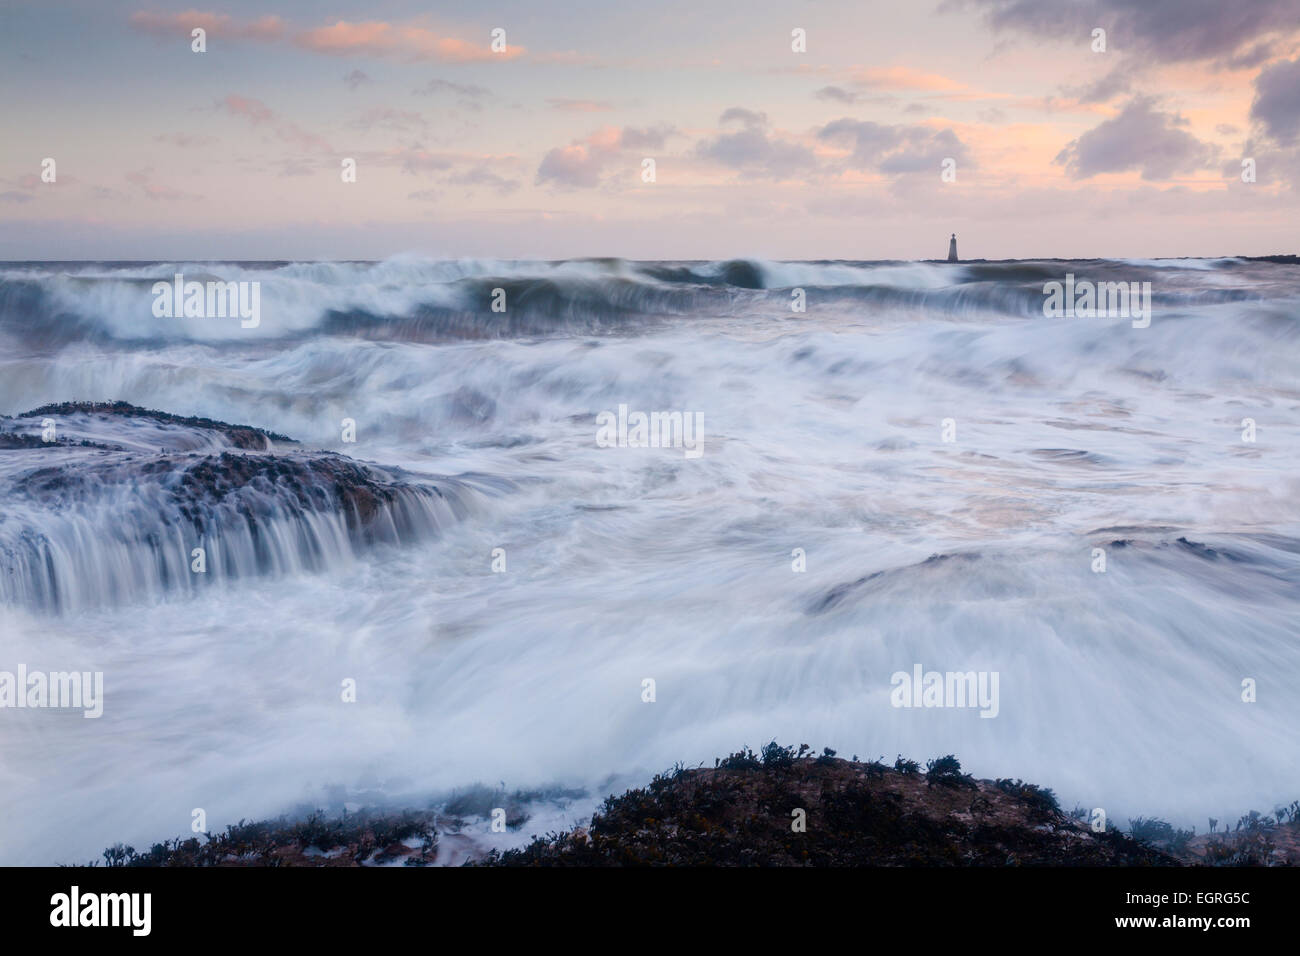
{"x":952,"y":248}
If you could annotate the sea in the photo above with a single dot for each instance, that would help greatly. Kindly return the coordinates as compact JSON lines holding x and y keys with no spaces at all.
{"x":552,"y":527}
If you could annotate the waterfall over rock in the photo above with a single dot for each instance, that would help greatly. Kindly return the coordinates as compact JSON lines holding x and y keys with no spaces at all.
{"x":111,"y":504}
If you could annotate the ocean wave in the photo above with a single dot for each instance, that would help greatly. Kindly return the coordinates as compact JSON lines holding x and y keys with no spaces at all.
{"x":414,"y":299}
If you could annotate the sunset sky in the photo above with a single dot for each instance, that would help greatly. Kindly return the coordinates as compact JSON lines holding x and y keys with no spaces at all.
{"x":759,"y":150}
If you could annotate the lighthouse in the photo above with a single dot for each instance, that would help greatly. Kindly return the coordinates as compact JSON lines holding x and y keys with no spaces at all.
{"x":952,"y":248}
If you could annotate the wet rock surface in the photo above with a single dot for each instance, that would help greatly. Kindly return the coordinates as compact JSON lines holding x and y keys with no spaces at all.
{"x":746,"y":812}
{"x":239,"y":436}
{"x":104,"y":504}
{"x":779,"y":807}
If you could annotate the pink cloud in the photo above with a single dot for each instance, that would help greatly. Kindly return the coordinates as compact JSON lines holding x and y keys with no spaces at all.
{"x":258,"y":113}
{"x":246,"y":106}
{"x":405,"y":41}
{"x":583,"y":162}
{"x":409,"y":41}
{"x":264,"y":28}
{"x":217,"y":24}
{"x":904,"y":78}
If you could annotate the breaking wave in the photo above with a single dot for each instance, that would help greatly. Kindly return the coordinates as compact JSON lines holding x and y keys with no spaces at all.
{"x":413,"y":299}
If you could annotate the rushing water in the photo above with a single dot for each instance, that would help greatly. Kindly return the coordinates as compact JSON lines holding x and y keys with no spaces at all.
{"x":477,"y":430}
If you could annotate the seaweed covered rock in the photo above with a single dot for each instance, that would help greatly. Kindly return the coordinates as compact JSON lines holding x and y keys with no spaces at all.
{"x":783,"y":807}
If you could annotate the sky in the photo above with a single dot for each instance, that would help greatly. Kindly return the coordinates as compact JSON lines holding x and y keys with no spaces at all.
{"x":805,"y":129}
